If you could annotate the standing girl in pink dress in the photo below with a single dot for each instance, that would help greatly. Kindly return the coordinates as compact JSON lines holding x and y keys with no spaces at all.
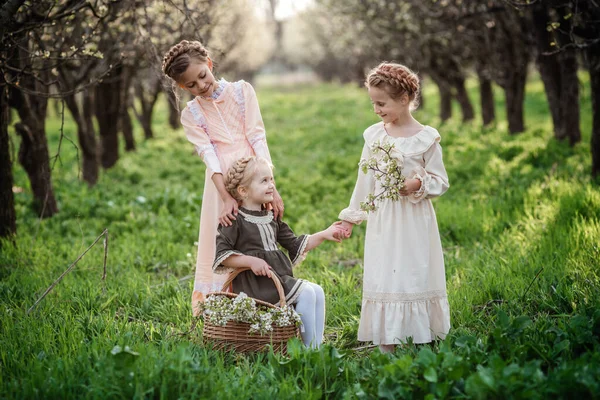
{"x":404,"y":284}
{"x":223,"y":122}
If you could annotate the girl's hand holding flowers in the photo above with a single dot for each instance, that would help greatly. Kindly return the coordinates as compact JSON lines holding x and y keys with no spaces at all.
{"x":410,"y":186}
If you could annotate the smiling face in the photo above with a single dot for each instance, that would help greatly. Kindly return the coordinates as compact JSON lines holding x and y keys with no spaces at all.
{"x":261,"y":188}
{"x":198,"y":79}
{"x":387,"y":108}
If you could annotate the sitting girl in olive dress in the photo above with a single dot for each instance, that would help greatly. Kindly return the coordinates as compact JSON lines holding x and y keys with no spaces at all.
{"x":251,"y":241}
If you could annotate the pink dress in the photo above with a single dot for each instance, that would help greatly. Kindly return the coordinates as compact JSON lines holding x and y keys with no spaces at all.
{"x":223,"y":128}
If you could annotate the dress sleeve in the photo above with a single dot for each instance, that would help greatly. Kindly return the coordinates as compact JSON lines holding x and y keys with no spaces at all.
{"x":295,"y":245}
{"x":433,"y":176}
{"x":365,"y":184}
{"x":195,"y":128}
{"x":255,"y":128}
{"x":227,"y":237}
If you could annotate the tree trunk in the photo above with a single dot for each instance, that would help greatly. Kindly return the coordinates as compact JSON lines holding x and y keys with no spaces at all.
{"x":173,"y":110}
{"x":559,"y":74}
{"x":569,"y":89}
{"x":463,"y":99}
{"x":515,"y":96}
{"x":125,"y":118}
{"x":145,"y":121}
{"x":33,"y":152}
{"x":33,"y":156}
{"x":127,"y":128}
{"x":86,"y":136}
{"x":486,"y":95}
{"x":8,"y":226}
{"x":107,"y":102}
{"x":445,"y":98}
{"x":445,"y":103}
{"x":569,"y":97}
{"x":548,"y":66}
{"x":593,"y":60}
{"x":147,"y":102}
{"x":420,"y":98}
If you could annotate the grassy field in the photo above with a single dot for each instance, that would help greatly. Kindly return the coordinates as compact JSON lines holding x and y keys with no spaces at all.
{"x":520,"y":228}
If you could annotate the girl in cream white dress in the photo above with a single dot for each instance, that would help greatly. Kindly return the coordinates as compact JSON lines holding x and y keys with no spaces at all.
{"x":404,"y":286}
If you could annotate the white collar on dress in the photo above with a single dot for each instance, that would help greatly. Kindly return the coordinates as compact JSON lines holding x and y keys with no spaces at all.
{"x":257,"y":219}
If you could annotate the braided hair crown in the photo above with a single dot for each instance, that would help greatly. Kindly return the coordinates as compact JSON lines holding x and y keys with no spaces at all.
{"x":396,"y":79}
{"x":179,"y":57}
{"x":236,"y":175}
{"x":241,"y":173}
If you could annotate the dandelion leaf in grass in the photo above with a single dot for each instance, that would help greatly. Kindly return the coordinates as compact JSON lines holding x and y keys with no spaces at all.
{"x":426,"y":357}
{"x":430,"y":375}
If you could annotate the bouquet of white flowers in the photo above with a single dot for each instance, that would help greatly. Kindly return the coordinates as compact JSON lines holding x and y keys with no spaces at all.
{"x":386,"y":164}
{"x":239,"y":322}
{"x":220,"y":309}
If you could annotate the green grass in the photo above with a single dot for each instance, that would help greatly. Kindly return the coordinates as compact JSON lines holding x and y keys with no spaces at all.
{"x":518,"y":205}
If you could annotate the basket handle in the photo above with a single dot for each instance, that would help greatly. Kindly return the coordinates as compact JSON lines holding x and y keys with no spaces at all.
{"x":276,"y":281}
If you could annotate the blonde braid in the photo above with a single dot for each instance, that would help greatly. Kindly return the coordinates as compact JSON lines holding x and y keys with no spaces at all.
{"x":241,"y":173}
{"x":397,"y":79}
{"x":236,"y":175}
{"x":180,"y":56}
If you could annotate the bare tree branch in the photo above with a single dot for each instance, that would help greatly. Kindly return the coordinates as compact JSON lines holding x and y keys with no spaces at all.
{"x":8,"y":10}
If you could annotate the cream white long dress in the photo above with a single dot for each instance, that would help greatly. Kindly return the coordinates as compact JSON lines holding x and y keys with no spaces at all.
{"x":404,"y":285}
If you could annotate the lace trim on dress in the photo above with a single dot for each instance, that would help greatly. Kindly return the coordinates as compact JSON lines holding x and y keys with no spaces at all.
{"x":422,"y":175}
{"x":296,"y":290}
{"x":197,"y":114}
{"x":257,"y":139}
{"x":354,"y":216}
{"x":221,"y":269}
{"x":302,"y":252}
{"x":258,"y":219}
{"x":404,"y":297}
{"x":238,"y":95}
{"x":207,"y":287}
{"x":217,"y":92}
{"x":203,"y":149}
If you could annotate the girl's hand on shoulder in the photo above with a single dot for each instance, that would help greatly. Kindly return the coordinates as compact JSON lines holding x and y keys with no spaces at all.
{"x":260,"y":267}
{"x":230,"y":211}
{"x":277,"y":205}
{"x":410,"y":186}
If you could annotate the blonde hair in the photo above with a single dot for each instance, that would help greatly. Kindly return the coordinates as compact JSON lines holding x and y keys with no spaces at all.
{"x":240,"y":174}
{"x":396,"y":80}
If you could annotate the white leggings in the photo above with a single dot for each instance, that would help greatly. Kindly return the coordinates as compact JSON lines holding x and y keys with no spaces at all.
{"x":311,"y":307}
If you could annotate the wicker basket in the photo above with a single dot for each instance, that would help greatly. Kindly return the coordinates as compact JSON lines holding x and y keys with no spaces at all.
{"x":236,"y":336}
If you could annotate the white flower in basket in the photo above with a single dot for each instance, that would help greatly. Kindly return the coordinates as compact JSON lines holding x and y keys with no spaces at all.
{"x":220,"y":309}
{"x":241,"y":323}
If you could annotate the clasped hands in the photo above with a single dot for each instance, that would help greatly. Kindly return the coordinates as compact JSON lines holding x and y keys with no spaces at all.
{"x":343,"y":230}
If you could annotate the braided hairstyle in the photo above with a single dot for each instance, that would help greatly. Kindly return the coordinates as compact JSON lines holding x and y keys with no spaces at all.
{"x":179,"y":57}
{"x":240,"y":174}
{"x":396,"y":80}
